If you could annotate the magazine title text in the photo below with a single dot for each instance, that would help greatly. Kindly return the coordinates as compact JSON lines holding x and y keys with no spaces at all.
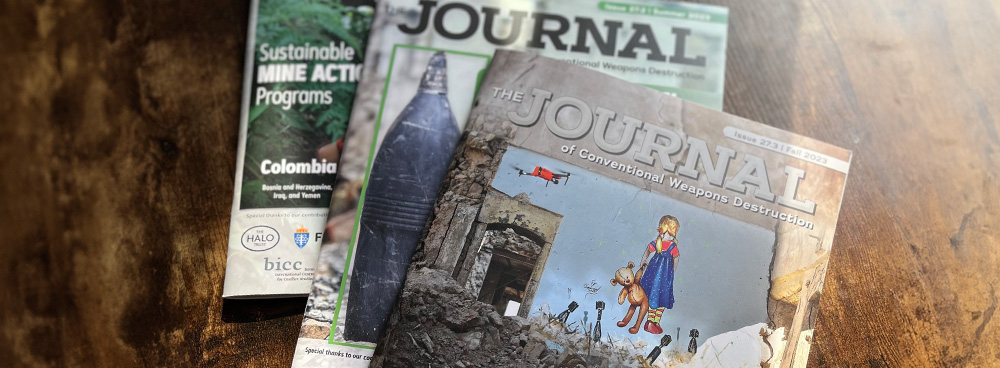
{"x":548,"y":31}
{"x":658,"y":146}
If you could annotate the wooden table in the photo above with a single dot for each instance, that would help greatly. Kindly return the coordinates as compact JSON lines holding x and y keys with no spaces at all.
{"x":117,"y":151}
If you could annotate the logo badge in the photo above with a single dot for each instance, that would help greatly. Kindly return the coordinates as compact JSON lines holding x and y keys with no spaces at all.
{"x":301,"y":236}
{"x":260,"y":238}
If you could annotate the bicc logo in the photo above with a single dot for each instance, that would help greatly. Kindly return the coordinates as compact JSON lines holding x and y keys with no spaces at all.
{"x":260,"y":238}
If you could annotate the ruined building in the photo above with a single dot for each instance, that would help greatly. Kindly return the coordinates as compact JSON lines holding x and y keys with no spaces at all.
{"x":505,"y":250}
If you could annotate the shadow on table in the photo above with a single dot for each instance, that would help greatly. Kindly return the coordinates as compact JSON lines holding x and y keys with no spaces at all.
{"x":256,"y":310}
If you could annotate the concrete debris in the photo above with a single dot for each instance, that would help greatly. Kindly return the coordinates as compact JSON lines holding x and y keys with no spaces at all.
{"x":448,"y":323}
{"x":442,"y":325}
{"x":326,"y":286}
{"x":515,"y":243}
{"x":472,"y":339}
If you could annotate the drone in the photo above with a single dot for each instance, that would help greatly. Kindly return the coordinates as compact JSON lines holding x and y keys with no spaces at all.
{"x":545,"y":174}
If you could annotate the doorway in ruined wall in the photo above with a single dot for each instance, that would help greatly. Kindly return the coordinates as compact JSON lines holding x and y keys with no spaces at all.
{"x":514,"y":259}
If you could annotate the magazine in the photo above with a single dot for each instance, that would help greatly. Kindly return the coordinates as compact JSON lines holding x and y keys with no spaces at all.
{"x":425,"y":61}
{"x":590,"y":221}
{"x":303,"y":63}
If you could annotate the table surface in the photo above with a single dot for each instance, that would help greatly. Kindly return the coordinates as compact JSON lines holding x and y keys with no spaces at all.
{"x":117,"y":153}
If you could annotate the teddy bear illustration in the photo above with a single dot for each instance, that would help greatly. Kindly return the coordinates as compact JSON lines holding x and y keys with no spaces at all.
{"x":632,"y":291}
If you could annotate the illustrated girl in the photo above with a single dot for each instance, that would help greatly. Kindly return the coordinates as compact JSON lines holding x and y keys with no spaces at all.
{"x":658,"y":280}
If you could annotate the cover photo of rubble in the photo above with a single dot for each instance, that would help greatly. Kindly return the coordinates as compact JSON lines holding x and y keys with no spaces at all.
{"x":579,"y":227}
{"x":578,"y":231}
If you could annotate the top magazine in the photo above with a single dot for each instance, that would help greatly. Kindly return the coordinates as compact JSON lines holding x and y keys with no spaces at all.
{"x":425,"y":61}
{"x":591,"y":221}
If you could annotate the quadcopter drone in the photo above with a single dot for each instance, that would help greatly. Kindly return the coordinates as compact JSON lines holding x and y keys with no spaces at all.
{"x":545,"y":174}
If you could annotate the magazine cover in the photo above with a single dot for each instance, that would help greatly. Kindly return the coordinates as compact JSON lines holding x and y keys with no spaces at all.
{"x":426,"y":59}
{"x":588,"y":221}
{"x":303,"y":63}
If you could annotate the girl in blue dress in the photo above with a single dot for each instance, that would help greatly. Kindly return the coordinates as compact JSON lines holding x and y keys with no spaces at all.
{"x":658,"y":280}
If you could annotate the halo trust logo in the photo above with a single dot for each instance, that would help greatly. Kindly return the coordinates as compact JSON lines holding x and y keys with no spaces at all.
{"x":260,"y":238}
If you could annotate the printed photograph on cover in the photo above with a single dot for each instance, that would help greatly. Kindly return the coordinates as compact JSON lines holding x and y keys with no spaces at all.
{"x":303,"y":64}
{"x":590,"y":221}
{"x":421,"y":105}
{"x":301,"y":97}
{"x":692,"y":269}
{"x":648,"y":265}
{"x":410,"y":161}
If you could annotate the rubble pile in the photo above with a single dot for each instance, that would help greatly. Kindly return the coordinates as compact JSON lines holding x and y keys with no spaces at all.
{"x":517,"y":244}
{"x":326,"y":286}
{"x":443,"y":325}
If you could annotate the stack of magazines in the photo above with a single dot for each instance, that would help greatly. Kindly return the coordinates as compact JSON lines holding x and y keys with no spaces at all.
{"x":534,"y":183}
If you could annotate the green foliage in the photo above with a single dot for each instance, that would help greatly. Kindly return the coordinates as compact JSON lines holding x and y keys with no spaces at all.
{"x":296,"y":133}
{"x":316,"y":22}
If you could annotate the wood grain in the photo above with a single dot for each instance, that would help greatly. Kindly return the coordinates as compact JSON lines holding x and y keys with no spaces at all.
{"x":912,"y":88}
{"x":117,"y":151}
